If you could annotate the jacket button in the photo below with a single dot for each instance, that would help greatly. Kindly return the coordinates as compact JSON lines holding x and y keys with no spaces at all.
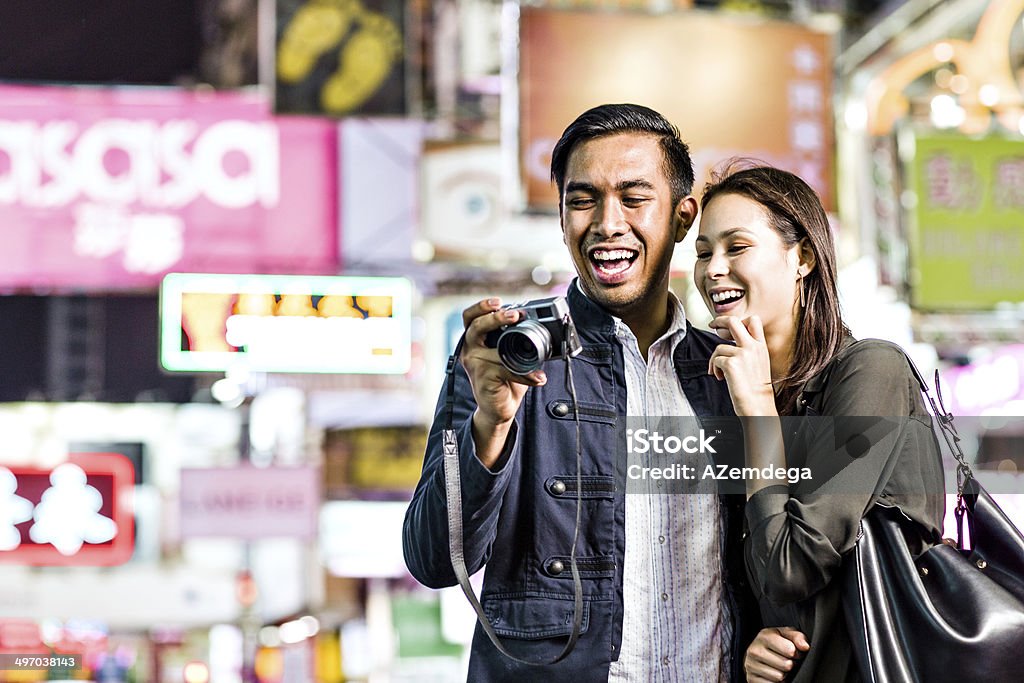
{"x":558,"y":487}
{"x":560,"y":409}
{"x":556,"y":567}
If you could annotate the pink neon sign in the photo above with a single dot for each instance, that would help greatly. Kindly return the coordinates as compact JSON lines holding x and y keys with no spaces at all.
{"x":113,"y":188}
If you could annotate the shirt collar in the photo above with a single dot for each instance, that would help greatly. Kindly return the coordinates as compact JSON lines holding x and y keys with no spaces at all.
{"x":676,"y":327}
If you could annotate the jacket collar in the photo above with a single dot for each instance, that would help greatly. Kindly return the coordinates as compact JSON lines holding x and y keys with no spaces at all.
{"x":593,"y":323}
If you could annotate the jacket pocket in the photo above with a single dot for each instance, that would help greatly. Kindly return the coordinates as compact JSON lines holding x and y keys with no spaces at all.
{"x":594,"y":486}
{"x":533,"y":616}
{"x":562,"y":409}
{"x":595,"y":567}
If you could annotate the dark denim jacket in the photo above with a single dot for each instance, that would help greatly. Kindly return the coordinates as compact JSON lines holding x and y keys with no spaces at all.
{"x":519,"y":521}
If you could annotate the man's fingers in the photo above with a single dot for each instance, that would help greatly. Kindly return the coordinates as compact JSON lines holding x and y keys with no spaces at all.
{"x":480,"y":308}
{"x":534,"y":379}
{"x":484,"y":323}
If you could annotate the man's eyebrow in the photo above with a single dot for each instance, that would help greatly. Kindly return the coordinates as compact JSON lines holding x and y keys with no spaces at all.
{"x":725,"y":234}
{"x":621,"y":186}
{"x":579,"y":186}
{"x":633,"y":184}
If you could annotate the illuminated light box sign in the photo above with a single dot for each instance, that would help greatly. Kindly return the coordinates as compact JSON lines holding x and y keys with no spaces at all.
{"x":78,"y":513}
{"x":285,"y":323}
{"x":249,"y":502}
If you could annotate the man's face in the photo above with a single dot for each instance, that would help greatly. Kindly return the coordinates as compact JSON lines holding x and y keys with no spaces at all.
{"x":619,"y":222}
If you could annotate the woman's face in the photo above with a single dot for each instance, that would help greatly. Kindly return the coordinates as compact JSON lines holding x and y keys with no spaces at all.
{"x":743,"y":268}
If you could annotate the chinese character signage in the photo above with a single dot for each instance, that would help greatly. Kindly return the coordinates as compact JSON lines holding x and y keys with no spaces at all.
{"x":78,"y":513}
{"x":105,"y":188}
{"x":281,"y":323}
{"x":968,"y":223}
{"x":734,"y":88}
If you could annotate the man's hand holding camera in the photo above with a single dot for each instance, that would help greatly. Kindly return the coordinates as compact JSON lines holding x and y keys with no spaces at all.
{"x":498,"y":392}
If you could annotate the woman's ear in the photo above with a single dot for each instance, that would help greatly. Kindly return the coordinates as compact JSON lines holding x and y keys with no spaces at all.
{"x":808,"y":262}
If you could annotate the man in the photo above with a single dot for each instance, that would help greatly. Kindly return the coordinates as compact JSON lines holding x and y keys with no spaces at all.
{"x":662,"y":603}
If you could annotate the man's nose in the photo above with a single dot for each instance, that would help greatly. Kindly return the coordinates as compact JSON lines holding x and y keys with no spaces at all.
{"x":610,"y":219}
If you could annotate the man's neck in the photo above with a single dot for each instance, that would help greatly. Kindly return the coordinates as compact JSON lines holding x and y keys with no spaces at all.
{"x":648,"y":323}
{"x":647,"y":320}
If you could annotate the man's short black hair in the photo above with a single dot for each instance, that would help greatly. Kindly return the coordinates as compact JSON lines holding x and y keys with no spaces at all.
{"x":609,"y":119}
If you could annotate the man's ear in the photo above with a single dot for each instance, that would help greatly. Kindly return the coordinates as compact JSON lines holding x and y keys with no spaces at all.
{"x":808,"y":262}
{"x":685,"y":215}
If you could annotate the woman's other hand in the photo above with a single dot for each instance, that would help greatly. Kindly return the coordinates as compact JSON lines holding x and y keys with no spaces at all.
{"x":773,"y":654}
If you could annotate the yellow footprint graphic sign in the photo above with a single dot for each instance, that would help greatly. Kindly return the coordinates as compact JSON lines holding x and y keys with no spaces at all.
{"x":340,"y":57}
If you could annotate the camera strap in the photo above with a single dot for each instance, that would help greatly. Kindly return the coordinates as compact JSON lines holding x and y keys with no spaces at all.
{"x":453,"y":492}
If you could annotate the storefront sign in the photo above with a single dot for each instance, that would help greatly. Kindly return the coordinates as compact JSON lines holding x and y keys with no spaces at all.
{"x":988,"y":384}
{"x":112,"y":188}
{"x":362,"y":539}
{"x":278,"y":323}
{"x":734,"y":88}
{"x":250,"y":502}
{"x":78,"y":513}
{"x":967,"y":245}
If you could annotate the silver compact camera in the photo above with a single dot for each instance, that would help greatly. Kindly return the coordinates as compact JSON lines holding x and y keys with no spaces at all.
{"x":544,"y":326}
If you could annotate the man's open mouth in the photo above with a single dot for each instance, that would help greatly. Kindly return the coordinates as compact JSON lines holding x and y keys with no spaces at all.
{"x":612,"y":261}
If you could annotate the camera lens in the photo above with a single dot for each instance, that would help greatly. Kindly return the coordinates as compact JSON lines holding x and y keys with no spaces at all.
{"x":524,"y":347}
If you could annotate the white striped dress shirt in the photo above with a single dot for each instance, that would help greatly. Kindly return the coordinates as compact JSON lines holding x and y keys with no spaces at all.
{"x":676,"y":625}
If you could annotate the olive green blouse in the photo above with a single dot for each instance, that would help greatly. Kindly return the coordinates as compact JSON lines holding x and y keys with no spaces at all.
{"x":798,"y":535}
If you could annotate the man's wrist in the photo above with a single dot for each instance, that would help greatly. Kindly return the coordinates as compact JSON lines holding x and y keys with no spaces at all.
{"x":489,"y":439}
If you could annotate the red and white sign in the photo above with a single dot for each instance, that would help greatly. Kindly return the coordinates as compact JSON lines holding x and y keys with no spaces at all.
{"x":78,"y":513}
{"x":250,"y":502}
{"x":112,"y":188}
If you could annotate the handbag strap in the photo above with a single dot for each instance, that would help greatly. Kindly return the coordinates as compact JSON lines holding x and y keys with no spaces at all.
{"x":945,"y":420}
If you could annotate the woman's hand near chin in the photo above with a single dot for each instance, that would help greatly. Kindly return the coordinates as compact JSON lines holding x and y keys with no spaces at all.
{"x":746,"y":367}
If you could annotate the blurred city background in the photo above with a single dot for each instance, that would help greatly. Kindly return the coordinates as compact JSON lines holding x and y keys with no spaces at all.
{"x":203,"y":475}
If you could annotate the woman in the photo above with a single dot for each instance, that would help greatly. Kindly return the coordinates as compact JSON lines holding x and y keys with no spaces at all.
{"x":766,"y":269}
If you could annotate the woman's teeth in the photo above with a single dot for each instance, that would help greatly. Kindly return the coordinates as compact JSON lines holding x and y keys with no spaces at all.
{"x":725,"y":297}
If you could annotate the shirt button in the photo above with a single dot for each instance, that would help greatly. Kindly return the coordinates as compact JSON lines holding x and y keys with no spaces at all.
{"x":661,"y":539}
{"x":664,"y":596}
{"x":664,"y":660}
{"x":558,"y":487}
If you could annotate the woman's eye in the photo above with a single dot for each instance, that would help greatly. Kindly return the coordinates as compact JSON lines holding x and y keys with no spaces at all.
{"x":703,"y":255}
{"x":737,"y":248}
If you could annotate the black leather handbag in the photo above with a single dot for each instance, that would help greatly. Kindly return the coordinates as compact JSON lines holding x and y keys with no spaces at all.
{"x":948,"y":614}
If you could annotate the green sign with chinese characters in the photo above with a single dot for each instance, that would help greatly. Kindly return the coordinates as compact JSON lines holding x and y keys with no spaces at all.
{"x":967,"y":245}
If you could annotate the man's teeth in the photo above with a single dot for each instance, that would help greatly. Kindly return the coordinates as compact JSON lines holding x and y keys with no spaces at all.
{"x":720,"y":297}
{"x":613,"y":255}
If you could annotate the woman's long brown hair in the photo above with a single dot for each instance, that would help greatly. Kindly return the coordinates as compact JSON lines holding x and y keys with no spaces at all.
{"x":796,"y":213}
